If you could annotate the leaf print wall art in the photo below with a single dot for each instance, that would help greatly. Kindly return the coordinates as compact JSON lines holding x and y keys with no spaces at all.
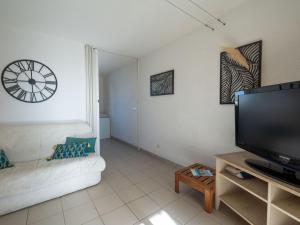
{"x":240,"y":69}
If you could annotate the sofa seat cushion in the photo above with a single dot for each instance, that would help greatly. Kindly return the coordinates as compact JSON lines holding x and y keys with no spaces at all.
{"x":33,"y":175}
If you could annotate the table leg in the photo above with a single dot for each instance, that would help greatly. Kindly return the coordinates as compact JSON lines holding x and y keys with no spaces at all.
{"x":176,"y":183}
{"x":208,"y":200}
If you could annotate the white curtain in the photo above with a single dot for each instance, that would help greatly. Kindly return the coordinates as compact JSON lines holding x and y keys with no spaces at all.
{"x":92,"y":87}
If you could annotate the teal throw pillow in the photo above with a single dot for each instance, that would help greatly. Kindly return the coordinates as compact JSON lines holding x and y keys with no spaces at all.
{"x":91,"y":141}
{"x":64,"y":151}
{"x":4,"y":162}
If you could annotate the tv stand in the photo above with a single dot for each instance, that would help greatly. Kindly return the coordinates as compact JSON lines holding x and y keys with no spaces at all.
{"x":275,"y":171}
{"x":261,"y":200}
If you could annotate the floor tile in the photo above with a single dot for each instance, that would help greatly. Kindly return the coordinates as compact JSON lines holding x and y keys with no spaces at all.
{"x":44,"y":210}
{"x":160,"y":217}
{"x":96,"y":221}
{"x":120,"y":216}
{"x":75,"y":199}
{"x":80,"y":214}
{"x":181,"y":211}
{"x":100,"y":190}
{"x":57,"y":219}
{"x":164,"y":179}
{"x":136,"y":177}
{"x":121,"y":182}
{"x":15,"y":218}
{"x":148,"y":185}
{"x":195,"y":199}
{"x":202,"y":219}
{"x":112,"y":176}
{"x":163,"y":196}
{"x":143,"y":207}
{"x":144,"y":222}
{"x":153,"y":172}
{"x":108,"y":203}
{"x":127,"y":158}
{"x":130,"y":193}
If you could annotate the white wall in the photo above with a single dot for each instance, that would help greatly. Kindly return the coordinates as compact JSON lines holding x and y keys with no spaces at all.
{"x":64,"y":57}
{"x":121,"y":102}
{"x":190,"y":125}
{"x":102,"y":93}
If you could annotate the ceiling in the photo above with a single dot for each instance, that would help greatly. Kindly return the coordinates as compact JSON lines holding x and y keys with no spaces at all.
{"x":129,"y":27}
{"x":109,"y":62}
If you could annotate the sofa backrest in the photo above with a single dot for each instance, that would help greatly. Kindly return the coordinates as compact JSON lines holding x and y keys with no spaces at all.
{"x":30,"y":142}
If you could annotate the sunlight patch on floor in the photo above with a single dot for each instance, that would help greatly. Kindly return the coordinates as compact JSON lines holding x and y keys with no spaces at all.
{"x":160,"y":218}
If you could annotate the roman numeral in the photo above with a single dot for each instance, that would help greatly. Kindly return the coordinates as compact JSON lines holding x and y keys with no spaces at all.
{"x":12,"y":71}
{"x":22,"y":95}
{"x":42,"y":66}
{"x":20,"y":65}
{"x":30,"y":65}
{"x":51,"y":82}
{"x":9,"y":80}
{"x":50,"y":90}
{"x":43,"y":96}
{"x":13,"y":89}
{"x":48,"y":75}
{"x":33,"y":97}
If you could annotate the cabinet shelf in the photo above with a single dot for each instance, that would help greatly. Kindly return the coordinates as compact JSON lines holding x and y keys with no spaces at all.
{"x":247,"y":206}
{"x":289,"y":206}
{"x":256,"y":187}
{"x":261,"y":200}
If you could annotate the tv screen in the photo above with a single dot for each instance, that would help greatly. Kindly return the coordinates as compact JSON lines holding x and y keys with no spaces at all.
{"x":268,"y":124}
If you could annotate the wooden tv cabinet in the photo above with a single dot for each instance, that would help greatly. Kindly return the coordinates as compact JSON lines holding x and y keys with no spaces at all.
{"x":261,"y":200}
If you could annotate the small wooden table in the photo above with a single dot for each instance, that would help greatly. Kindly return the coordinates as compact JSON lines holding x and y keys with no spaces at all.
{"x":203,"y":184}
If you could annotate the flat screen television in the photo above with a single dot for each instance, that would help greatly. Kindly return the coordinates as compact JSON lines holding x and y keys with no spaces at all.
{"x":267,"y":124}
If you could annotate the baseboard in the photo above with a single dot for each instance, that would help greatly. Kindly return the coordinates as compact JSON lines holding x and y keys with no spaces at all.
{"x":148,"y":152}
{"x":124,"y":142}
{"x":167,"y":161}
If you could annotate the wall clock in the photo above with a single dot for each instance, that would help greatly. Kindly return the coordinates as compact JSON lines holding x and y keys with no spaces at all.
{"x":29,"y":81}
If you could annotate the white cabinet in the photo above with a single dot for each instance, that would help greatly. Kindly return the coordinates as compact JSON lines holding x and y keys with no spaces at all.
{"x":104,"y":127}
{"x":261,"y":200}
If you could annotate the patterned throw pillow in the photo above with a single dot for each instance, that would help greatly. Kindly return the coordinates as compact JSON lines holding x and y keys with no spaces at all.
{"x":4,"y":162}
{"x":91,"y":141}
{"x":63,"y":151}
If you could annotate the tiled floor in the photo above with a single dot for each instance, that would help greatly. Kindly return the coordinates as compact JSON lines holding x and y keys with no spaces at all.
{"x":136,"y":189}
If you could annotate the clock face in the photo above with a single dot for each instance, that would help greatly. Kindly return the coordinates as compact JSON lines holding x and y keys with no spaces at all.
{"x":29,"y":81}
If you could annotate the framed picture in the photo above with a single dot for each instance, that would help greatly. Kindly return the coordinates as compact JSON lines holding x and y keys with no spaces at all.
{"x":162,"y":83}
{"x":240,"y":69}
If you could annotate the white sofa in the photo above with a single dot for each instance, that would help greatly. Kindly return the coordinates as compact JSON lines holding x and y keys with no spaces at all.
{"x":33,"y":179}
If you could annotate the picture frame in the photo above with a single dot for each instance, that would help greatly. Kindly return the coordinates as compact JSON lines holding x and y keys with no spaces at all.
{"x":234,"y":77}
{"x":162,"y":83}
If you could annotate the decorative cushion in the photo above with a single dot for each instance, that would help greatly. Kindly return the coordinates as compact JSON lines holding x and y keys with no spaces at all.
{"x":63,"y":151}
{"x":91,"y":141}
{"x":4,"y":162}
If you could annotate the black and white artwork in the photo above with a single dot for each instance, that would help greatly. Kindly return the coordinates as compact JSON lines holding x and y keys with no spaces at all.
{"x":235,"y":76}
{"x":162,"y":84}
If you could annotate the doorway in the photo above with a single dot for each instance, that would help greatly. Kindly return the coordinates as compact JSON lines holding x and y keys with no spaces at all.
{"x":118,"y":97}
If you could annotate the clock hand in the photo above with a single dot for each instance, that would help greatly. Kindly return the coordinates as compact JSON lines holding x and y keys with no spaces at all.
{"x":37,"y":87}
{"x":26,"y":74}
{"x":35,"y":81}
